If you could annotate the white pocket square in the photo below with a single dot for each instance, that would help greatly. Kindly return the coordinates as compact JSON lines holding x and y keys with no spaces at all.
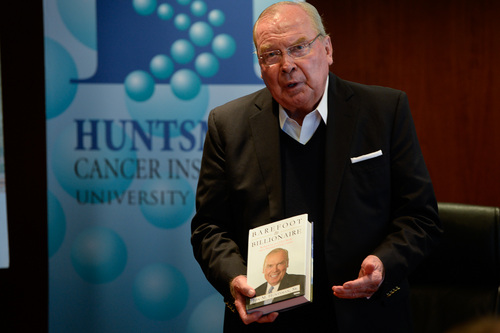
{"x":366,"y":156}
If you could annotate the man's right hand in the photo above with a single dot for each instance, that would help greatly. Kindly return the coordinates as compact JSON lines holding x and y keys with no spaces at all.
{"x":240,"y":291}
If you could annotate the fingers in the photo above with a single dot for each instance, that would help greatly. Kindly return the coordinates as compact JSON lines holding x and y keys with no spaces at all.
{"x":371,"y":276}
{"x":269,"y":318}
{"x":259,"y":318}
{"x":240,"y":291}
{"x":249,"y":318}
{"x":353,"y":289}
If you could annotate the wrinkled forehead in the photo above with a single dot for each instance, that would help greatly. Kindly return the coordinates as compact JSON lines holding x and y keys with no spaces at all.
{"x":275,"y":257}
{"x":286,"y":27}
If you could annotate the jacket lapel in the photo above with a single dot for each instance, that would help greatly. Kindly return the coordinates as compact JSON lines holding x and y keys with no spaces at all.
{"x":342,"y":117}
{"x":264,"y":125}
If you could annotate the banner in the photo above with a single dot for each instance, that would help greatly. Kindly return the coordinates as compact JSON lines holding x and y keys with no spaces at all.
{"x":129,"y":84}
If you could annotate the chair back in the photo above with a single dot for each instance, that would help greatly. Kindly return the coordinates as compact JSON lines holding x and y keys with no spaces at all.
{"x":460,"y":281}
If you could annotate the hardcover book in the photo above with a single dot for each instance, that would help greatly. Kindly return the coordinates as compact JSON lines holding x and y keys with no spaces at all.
{"x":279,"y":265}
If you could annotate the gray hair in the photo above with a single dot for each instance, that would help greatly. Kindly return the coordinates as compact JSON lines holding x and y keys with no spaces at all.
{"x":311,"y":11}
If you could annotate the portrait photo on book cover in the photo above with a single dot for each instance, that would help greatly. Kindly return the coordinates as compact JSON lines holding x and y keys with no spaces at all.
{"x":278,"y":279}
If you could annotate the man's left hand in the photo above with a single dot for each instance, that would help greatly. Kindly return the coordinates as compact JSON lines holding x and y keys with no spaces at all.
{"x":369,"y":280}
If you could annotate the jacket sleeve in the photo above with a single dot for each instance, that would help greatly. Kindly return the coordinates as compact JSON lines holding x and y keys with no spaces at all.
{"x":415,"y":227}
{"x":212,"y":235}
{"x":386,"y":204}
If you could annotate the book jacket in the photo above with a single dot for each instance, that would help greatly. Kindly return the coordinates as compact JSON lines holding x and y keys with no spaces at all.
{"x":279,"y":265}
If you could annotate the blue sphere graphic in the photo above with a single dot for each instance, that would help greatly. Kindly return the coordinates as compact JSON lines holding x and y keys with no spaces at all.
{"x":174,"y":205}
{"x":144,"y":7}
{"x":165,"y":11}
{"x":59,"y":70}
{"x":98,"y":255}
{"x":224,"y":46}
{"x":201,"y":33}
{"x":216,"y":17}
{"x":185,"y":84}
{"x":198,"y":8}
{"x":206,"y":64}
{"x":183,"y":2}
{"x":207,"y":316}
{"x":79,"y":16}
{"x":56,"y":223}
{"x":182,"y":22}
{"x":160,"y":291}
{"x":182,"y":51}
{"x":161,"y":66}
{"x":139,"y":85}
{"x":165,"y":105}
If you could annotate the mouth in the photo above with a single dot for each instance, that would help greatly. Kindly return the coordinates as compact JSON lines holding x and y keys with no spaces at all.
{"x":292,"y":85}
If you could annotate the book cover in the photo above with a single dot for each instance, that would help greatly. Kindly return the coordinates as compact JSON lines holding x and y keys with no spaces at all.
{"x":279,"y":266}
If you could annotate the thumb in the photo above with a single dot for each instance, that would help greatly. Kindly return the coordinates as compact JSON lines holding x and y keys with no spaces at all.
{"x":249,"y":292}
{"x":368,"y":269}
{"x":240,"y":285}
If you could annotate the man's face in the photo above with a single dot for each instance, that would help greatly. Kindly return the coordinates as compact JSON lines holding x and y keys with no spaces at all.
{"x":275,"y":267}
{"x":296,"y":84}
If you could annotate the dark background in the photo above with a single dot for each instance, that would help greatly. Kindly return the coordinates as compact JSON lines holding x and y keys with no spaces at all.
{"x":24,"y":286}
{"x":446,"y":55}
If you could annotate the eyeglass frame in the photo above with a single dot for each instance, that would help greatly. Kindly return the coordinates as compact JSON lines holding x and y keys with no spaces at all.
{"x":307,"y":45}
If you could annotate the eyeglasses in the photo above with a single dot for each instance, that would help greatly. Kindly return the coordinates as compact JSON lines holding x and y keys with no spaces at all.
{"x":295,"y":51}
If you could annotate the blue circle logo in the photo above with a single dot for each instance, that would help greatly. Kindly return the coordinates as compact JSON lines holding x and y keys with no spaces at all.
{"x":59,"y":70}
{"x":172,"y":204}
{"x":99,"y":255}
{"x":160,"y":291}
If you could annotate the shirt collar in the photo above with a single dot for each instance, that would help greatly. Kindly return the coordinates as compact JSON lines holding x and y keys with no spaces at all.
{"x":322,"y":106}
{"x":323,"y":103}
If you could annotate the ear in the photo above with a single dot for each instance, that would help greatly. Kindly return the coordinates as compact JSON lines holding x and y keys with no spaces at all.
{"x":327,"y":42}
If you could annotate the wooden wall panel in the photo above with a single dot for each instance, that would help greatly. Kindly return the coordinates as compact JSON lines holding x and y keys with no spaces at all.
{"x":446,"y":55}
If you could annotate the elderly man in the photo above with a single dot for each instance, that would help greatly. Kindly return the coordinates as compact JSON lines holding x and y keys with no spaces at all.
{"x":277,"y":278}
{"x":344,"y":153}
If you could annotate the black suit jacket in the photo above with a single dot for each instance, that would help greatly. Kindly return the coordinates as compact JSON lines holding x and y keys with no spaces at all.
{"x":383,"y":206}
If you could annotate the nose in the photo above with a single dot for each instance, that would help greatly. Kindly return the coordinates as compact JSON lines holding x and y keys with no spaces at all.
{"x":287,"y":63}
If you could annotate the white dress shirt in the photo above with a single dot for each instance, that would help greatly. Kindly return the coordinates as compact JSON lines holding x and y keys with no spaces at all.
{"x":310,"y":123}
